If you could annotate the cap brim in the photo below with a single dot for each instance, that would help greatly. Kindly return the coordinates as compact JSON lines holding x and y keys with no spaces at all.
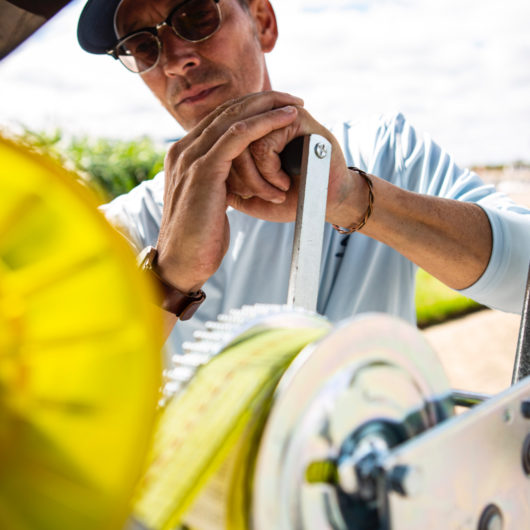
{"x":95,"y":30}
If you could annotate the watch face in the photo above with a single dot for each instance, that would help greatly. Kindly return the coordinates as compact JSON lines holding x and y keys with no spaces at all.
{"x":146,"y":258}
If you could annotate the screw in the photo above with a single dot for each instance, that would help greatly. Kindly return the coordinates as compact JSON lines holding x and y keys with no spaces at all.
{"x":525,"y":409}
{"x":491,"y":518}
{"x":321,"y":150}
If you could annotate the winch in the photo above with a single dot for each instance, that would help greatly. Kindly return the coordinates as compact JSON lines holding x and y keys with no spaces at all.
{"x":355,"y":426}
{"x":272,"y":418}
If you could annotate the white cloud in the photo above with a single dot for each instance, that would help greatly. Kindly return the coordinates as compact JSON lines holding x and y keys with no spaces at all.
{"x":458,"y":70}
{"x":50,"y":82}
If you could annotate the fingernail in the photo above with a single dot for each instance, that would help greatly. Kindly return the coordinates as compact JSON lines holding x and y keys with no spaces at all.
{"x":289,"y":109}
{"x":278,"y":200}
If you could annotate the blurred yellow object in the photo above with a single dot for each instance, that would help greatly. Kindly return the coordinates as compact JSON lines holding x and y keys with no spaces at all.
{"x":79,"y":354}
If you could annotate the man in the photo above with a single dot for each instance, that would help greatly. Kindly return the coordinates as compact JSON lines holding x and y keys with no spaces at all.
{"x":204,"y":61}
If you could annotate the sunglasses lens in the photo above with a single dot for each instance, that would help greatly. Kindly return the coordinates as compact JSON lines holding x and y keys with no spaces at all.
{"x":139,"y":52}
{"x":196,"y":20}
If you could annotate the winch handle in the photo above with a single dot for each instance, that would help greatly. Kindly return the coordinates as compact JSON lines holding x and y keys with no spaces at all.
{"x":308,"y":237}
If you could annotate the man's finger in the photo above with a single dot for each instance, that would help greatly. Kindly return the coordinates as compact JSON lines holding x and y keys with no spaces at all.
{"x":266,"y":156}
{"x":239,"y":135}
{"x":236,"y":111}
{"x":246,"y":180}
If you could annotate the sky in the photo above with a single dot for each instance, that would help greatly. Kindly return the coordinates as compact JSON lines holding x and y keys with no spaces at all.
{"x":458,"y":70}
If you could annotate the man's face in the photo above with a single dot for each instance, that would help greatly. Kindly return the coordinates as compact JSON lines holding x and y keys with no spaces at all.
{"x":192,"y":79}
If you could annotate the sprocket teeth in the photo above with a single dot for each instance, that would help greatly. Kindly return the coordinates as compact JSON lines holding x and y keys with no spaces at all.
{"x":213,"y":339}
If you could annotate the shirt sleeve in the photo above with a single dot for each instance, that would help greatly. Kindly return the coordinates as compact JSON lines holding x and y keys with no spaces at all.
{"x":137,"y":214}
{"x":429,"y":169}
{"x":415,"y":162}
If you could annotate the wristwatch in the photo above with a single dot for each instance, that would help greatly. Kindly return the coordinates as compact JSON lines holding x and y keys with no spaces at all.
{"x":183,"y":305}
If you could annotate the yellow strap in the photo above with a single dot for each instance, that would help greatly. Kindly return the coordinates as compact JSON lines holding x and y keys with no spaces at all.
{"x":199,"y":429}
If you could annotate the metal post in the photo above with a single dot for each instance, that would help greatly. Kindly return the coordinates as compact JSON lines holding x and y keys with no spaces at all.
{"x":309,"y":227}
{"x":521,"y":367}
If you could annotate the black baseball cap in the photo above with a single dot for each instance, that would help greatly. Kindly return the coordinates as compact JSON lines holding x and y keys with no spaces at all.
{"x":95,"y":30}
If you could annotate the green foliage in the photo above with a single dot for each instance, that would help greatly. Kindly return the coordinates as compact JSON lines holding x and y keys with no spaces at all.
{"x":435,"y":302}
{"x":111,"y":167}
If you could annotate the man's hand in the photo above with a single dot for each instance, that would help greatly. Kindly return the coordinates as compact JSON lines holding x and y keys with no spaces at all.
{"x":450,"y":239}
{"x":232,"y":158}
{"x":347,"y":194}
{"x":194,"y":231}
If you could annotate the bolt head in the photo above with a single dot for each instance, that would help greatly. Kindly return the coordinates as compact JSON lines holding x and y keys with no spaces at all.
{"x":321,"y":150}
{"x":406,"y":480}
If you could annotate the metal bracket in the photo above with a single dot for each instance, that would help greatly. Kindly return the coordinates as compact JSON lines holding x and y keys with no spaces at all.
{"x":309,"y":227}
{"x":469,"y":471}
{"x":521,"y":367}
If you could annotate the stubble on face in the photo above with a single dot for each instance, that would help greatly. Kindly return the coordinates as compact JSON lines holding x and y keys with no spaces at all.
{"x":231,"y":64}
{"x":209,"y":75}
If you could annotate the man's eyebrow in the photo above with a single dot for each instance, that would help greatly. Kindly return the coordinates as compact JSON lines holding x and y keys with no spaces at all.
{"x":131,"y":22}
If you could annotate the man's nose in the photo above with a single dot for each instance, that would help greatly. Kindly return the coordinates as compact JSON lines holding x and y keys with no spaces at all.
{"x":178,"y":56}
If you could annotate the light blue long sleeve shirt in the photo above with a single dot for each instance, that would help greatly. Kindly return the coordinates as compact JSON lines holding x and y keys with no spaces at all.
{"x":358,"y":274}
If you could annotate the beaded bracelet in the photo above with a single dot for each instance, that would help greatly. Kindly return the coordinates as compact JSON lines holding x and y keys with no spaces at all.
{"x":369,"y":210}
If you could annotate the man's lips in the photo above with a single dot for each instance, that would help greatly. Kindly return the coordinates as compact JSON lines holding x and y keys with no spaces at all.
{"x":196,"y":95}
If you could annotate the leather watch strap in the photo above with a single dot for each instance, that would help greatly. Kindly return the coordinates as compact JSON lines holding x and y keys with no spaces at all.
{"x":183,"y":305}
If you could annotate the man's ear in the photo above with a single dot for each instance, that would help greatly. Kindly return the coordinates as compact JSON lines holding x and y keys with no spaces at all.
{"x":266,"y":26}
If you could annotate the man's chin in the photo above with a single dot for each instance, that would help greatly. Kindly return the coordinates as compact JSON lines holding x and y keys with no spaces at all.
{"x":189,"y":115}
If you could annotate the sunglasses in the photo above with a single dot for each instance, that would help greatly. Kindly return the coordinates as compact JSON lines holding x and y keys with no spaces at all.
{"x":191,"y":20}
